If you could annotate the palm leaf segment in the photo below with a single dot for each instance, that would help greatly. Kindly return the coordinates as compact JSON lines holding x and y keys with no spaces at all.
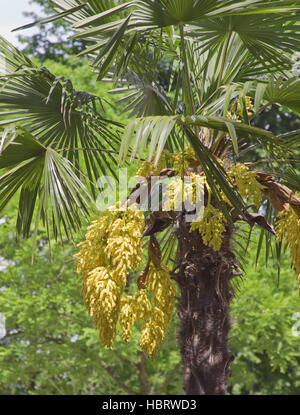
{"x":41,"y":174}
{"x":55,"y":113}
{"x":63,"y":134}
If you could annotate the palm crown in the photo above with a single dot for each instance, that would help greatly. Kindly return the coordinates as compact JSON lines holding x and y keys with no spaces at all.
{"x":224,"y":62}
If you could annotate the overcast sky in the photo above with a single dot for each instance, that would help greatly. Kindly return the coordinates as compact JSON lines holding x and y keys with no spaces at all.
{"x":11,"y":17}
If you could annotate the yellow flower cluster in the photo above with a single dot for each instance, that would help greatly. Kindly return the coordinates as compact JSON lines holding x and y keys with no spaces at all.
{"x":102,"y":300}
{"x":123,"y":246}
{"x":288,"y":227}
{"x":155,"y":318}
{"x":248,"y":187}
{"x":212,"y":224}
{"x":133,"y":308}
{"x":112,"y":248}
{"x":167,"y":158}
{"x":194,"y":189}
{"x":238,"y":114}
{"x":147,"y":167}
{"x":160,"y":284}
{"x":189,"y":156}
{"x":211,"y":227}
{"x":180,"y":191}
{"x":174,"y":195}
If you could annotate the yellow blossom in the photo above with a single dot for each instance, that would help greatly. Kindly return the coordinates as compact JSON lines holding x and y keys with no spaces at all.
{"x":211,"y":227}
{"x":245,"y":180}
{"x":189,"y":156}
{"x":112,"y":248}
{"x":147,"y":167}
{"x":160,"y":284}
{"x":133,"y":308}
{"x":237,"y":114}
{"x":288,"y":228}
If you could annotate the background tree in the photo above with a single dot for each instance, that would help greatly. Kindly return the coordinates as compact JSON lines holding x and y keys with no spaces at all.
{"x":51,"y":40}
{"x":216,"y":51}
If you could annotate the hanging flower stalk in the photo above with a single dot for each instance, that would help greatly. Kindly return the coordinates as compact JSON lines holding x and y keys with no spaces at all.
{"x":288,"y":228}
{"x":112,"y":248}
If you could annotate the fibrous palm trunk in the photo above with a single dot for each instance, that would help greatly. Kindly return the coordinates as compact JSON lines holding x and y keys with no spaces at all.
{"x":204,"y":278}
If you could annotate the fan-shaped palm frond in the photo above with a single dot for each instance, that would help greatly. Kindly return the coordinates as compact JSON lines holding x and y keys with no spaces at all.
{"x":75,"y":10}
{"x":269,"y":38}
{"x":285,"y":92}
{"x":56,"y":114}
{"x":150,"y":14}
{"x":261,"y":25}
{"x":46,"y":179}
{"x":147,"y":87}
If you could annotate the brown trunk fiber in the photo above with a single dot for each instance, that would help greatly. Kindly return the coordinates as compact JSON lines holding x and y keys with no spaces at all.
{"x":204,"y":279}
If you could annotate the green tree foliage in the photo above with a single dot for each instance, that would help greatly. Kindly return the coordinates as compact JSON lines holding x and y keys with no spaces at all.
{"x":266,"y":352}
{"x":51,"y":41}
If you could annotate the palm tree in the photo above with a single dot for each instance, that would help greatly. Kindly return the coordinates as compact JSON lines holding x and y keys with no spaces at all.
{"x":195,"y":74}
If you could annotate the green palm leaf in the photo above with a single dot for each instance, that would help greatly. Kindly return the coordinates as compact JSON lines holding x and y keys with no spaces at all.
{"x":284,"y":92}
{"x":47,"y":182}
{"x":268,"y":29}
{"x":156,"y":130}
{"x":56,"y":114}
{"x":269,"y":38}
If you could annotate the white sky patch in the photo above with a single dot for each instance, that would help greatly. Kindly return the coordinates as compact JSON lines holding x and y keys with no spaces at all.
{"x":11,"y":17}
